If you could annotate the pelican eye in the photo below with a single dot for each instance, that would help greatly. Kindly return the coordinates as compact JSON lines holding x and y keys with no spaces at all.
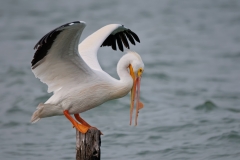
{"x":140,"y":71}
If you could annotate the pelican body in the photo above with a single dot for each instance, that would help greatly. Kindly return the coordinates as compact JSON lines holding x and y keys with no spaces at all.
{"x":73,"y":74}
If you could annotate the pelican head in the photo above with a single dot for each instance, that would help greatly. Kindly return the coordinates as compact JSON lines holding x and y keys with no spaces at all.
{"x":136,"y":69}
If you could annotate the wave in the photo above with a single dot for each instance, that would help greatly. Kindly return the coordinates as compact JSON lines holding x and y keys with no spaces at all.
{"x":229,"y":136}
{"x":206,"y":106}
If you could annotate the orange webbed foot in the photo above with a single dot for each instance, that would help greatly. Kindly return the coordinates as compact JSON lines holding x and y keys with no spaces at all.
{"x":80,"y":127}
{"x":82,"y":121}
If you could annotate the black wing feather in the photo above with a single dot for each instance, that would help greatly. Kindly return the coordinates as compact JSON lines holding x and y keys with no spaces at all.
{"x":121,"y":37}
{"x":46,"y":42}
{"x":120,"y":46}
{"x":110,"y":40}
{"x":134,"y":36}
{"x":124,"y":39}
{"x":114,"y":47}
{"x":130,"y":37}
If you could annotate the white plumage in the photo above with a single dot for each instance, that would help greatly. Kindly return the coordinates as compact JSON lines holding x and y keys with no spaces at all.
{"x":73,"y":74}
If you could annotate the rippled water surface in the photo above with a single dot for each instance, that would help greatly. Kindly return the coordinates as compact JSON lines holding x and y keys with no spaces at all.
{"x":190,"y":87}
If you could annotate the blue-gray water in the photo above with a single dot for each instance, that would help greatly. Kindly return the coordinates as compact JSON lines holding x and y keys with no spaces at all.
{"x":190,"y":87}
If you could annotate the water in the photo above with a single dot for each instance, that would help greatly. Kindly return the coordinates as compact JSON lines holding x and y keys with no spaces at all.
{"x":190,"y":87}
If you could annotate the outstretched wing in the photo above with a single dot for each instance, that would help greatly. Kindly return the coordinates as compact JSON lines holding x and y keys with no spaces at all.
{"x":110,"y":35}
{"x":56,"y":61}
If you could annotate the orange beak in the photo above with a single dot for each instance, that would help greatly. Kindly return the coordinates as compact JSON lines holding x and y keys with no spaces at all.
{"x":135,"y":94}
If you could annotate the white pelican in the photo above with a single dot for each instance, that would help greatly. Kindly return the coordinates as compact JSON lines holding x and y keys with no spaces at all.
{"x":73,"y":74}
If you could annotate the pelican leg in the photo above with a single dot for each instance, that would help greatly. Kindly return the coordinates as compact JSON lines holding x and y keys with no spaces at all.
{"x":77,"y":116}
{"x":80,"y":127}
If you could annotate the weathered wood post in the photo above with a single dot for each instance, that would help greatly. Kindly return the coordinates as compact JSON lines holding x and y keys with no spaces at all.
{"x":88,"y":145}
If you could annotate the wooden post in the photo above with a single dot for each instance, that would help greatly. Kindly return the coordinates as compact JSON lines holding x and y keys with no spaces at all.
{"x":88,"y":145}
